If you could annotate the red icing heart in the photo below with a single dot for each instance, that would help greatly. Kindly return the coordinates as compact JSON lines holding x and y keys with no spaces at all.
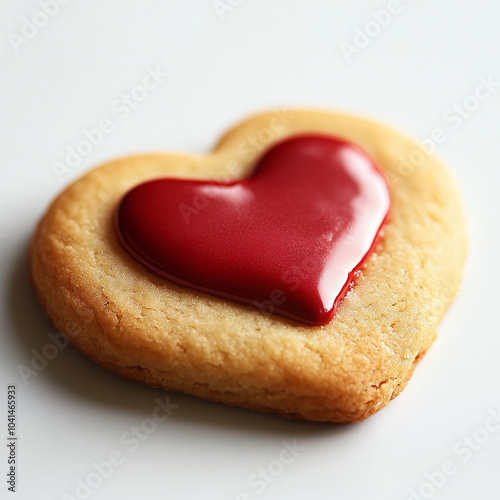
{"x":287,"y":240}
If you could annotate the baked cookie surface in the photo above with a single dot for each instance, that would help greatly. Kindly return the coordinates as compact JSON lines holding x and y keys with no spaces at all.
{"x":148,"y":329}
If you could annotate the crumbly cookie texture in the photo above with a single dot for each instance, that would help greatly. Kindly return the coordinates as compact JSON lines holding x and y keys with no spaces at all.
{"x":148,"y":329}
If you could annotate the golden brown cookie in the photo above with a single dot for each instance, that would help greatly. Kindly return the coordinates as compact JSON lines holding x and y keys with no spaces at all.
{"x":148,"y":329}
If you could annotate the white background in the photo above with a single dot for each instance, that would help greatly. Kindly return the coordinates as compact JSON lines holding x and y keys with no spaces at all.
{"x":222,"y":66}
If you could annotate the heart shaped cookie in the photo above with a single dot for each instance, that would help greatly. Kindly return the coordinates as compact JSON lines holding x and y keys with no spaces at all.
{"x":168,"y":296}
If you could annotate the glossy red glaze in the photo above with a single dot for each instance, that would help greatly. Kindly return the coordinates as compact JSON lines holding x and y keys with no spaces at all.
{"x":287,"y":240}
